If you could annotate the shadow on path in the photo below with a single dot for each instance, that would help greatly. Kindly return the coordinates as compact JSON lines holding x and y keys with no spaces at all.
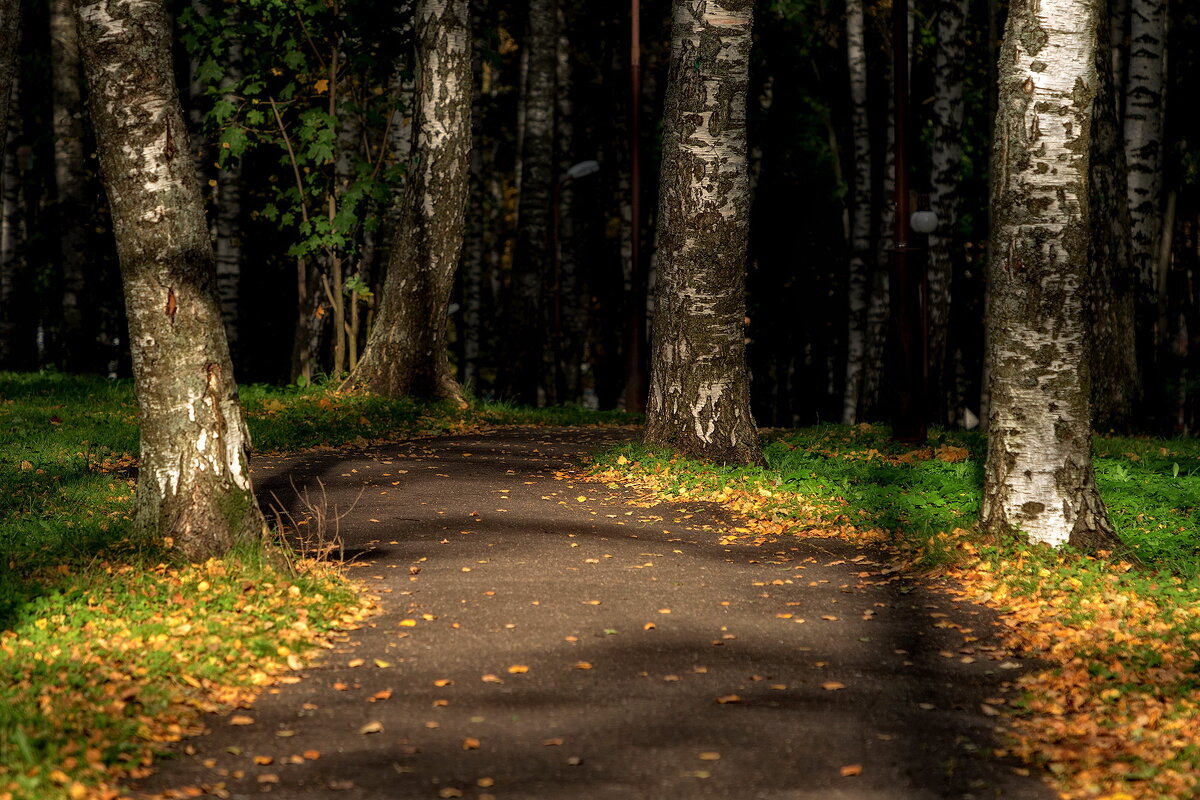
{"x":546,"y":639}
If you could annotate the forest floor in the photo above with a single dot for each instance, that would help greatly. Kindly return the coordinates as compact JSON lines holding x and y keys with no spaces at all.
{"x":544,"y":635}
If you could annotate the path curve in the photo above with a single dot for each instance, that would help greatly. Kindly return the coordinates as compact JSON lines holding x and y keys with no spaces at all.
{"x":570,"y":645}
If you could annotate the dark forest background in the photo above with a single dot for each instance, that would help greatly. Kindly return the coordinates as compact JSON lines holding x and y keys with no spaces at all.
{"x":240,"y":64}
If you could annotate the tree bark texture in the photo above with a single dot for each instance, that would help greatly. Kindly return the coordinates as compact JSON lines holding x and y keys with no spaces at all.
{"x":228,"y":241}
{"x":406,"y":351}
{"x":1038,"y":477}
{"x":699,"y":388}
{"x":860,"y":213}
{"x":945,"y":180}
{"x":1115,"y":383}
{"x":10,"y":39}
{"x":70,"y":178}
{"x":11,"y":340}
{"x":531,"y":263}
{"x":193,"y":484}
{"x":1144,"y":96}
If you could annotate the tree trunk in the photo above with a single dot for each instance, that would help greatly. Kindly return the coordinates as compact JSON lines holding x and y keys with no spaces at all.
{"x":1038,"y":477}
{"x":860,"y":213}
{"x":10,"y":39}
{"x":78,"y":331}
{"x":945,"y":178}
{"x":1144,"y":94}
{"x":531,"y":263}
{"x":406,"y":352}
{"x":1115,"y":385}
{"x":12,"y":332}
{"x":193,"y":483}
{"x":699,"y":389}
{"x":228,"y":241}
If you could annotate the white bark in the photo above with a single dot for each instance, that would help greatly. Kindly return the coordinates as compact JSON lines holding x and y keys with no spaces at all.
{"x":860,"y":212}
{"x":1038,"y":476}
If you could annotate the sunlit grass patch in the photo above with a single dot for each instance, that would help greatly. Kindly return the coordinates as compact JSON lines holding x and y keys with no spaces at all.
{"x":1117,"y":712}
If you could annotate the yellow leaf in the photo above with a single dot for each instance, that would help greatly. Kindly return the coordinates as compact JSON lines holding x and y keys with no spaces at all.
{"x":710,"y":756}
{"x":832,"y":686}
{"x":470,"y":743}
{"x":321,"y":86}
{"x":263,"y":761}
{"x":449,"y":791}
{"x":581,"y":498}
{"x":443,"y":682}
{"x":518,"y":669}
{"x":372,"y":727}
{"x":354,"y":662}
{"x":408,"y":623}
{"x":850,"y":770}
{"x":554,"y":742}
{"x":583,"y":665}
{"x":382,"y":664}
{"x":729,"y":698}
{"x":241,"y":719}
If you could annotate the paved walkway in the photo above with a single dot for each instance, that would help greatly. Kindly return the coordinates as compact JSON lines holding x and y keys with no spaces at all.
{"x":545,"y":639}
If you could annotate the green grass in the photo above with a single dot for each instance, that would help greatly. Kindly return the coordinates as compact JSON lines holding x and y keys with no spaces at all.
{"x":1151,"y":486}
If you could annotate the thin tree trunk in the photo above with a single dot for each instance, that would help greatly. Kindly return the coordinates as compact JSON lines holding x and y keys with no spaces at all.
{"x":700,"y":388}
{"x":228,"y":240}
{"x":10,"y":39}
{"x":11,"y":348}
{"x":194,"y":482}
{"x":531,"y":264}
{"x":945,"y":179}
{"x":1115,"y":386}
{"x":1038,"y":478}
{"x":860,"y":213}
{"x":406,"y":352}
{"x":70,"y":178}
{"x":1144,"y":96}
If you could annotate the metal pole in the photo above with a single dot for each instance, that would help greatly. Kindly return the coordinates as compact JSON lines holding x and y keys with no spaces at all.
{"x":635,"y":379}
{"x":908,"y":424}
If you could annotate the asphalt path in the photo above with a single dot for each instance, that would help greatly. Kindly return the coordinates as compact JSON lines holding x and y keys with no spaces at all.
{"x":542,"y":637}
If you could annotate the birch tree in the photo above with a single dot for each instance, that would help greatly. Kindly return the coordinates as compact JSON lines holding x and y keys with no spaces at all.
{"x":193,"y":484}
{"x":860,"y":212}
{"x":1144,"y":95}
{"x":1038,"y":478}
{"x":70,"y":182}
{"x":945,"y":180}
{"x":531,"y":262}
{"x":699,"y":387}
{"x":406,"y":352}
{"x":10,"y":38}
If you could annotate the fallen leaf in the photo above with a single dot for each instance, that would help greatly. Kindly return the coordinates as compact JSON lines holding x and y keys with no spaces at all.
{"x":382,"y":664}
{"x":449,"y":791}
{"x":553,"y":742}
{"x":443,"y":682}
{"x":312,"y":755}
{"x":490,"y":678}
{"x":354,"y":662}
{"x":268,"y":777}
{"x":832,"y":686}
{"x":408,"y":623}
{"x":241,"y":719}
{"x":649,"y":626}
{"x":710,"y":756}
{"x":518,"y":669}
{"x":470,"y":743}
{"x":263,"y":761}
{"x":583,"y":665}
{"x":383,"y":694}
{"x":850,"y":770}
{"x":729,"y":698}
{"x":372,"y":727}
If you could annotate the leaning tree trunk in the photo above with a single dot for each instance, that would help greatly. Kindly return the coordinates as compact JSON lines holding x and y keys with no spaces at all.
{"x":860,"y":214}
{"x":1038,"y":477}
{"x":699,"y":388}
{"x":193,"y":484}
{"x":70,"y":178}
{"x":406,"y":352}
{"x":1115,"y":384}
{"x":531,"y":263}
{"x":1144,"y":94}
{"x":945,"y":179}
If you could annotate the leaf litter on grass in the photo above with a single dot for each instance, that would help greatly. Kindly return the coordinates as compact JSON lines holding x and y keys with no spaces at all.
{"x":1116,"y":713}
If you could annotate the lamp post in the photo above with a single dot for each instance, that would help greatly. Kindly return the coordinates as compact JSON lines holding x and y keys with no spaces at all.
{"x":635,"y":330}
{"x":907,"y":260}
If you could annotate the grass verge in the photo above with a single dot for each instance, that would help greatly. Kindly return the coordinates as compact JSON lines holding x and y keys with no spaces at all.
{"x":1116,"y":714}
{"x":108,"y":648}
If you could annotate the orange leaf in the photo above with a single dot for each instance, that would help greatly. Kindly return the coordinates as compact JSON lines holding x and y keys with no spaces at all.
{"x":241,"y":719}
{"x":850,"y":770}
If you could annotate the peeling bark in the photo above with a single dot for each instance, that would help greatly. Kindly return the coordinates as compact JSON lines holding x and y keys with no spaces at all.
{"x":1038,"y":478}
{"x":699,"y":389}
{"x":194,"y":483}
{"x":406,"y":351}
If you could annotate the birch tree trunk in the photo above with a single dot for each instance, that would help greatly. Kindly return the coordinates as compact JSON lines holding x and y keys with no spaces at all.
{"x":406,"y":351}
{"x":531,"y":263}
{"x":10,"y":38}
{"x":1144,"y":95}
{"x":11,"y":349}
{"x":699,"y":388}
{"x":228,"y":242}
{"x":1115,"y":383}
{"x":194,"y":483}
{"x":860,"y":213}
{"x":78,"y":332}
{"x":945,"y":178}
{"x":1038,"y":478}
